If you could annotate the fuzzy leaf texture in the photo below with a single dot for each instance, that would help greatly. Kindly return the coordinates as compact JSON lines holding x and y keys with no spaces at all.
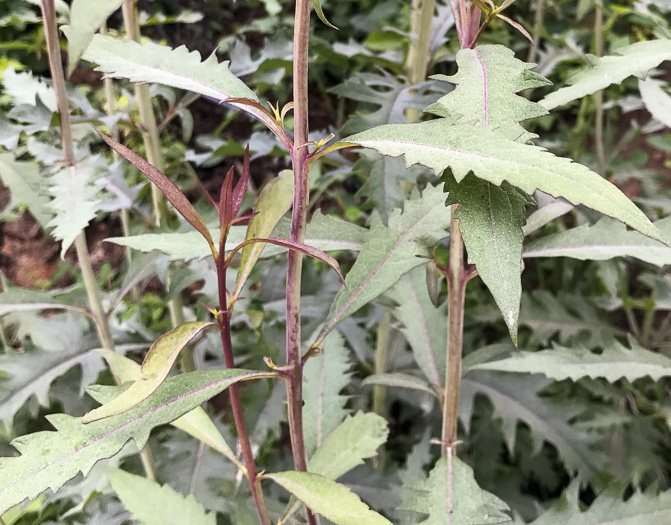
{"x":153,"y":504}
{"x":656,"y":100}
{"x":451,"y":496}
{"x":49,"y":459}
{"x":635,"y":59}
{"x":26,"y":187}
{"x":613,"y":363}
{"x":155,"y":368}
{"x":492,"y":154}
{"x":602,"y":241}
{"x":609,"y":509}
{"x":333,"y":501}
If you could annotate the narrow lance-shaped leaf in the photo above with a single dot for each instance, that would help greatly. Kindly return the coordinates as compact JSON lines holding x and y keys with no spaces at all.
{"x":155,"y":368}
{"x":86,"y":17}
{"x":167,"y":187}
{"x":635,"y":59}
{"x":153,"y":504}
{"x":49,"y":459}
{"x":274,"y":202}
{"x":333,"y":501}
{"x":195,"y":423}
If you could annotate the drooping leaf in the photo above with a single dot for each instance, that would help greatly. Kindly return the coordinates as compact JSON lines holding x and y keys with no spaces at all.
{"x":602,"y":241}
{"x":613,"y":363}
{"x":49,"y":459}
{"x":196,"y":422}
{"x":274,"y":202}
{"x":324,"y":377}
{"x":153,"y":504}
{"x":355,"y":439}
{"x":333,"y":501}
{"x":86,"y":17}
{"x":390,"y":252}
{"x":656,"y":100}
{"x":609,"y":509}
{"x":423,"y":325}
{"x":515,"y":398}
{"x":26,"y":187}
{"x":491,"y":219}
{"x":155,"y":368}
{"x":635,"y":59}
{"x":167,"y":187}
{"x":74,"y":200}
{"x":451,"y":496}
{"x":400,"y":380}
{"x":15,"y":299}
{"x":320,"y":13}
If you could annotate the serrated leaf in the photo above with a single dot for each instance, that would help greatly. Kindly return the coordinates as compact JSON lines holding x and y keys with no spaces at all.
{"x":74,"y":200}
{"x":390,"y":252}
{"x":609,"y":509}
{"x":491,"y":219}
{"x":324,"y":377}
{"x":155,"y":368}
{"x":423,"y":325}
{"x":602,"y":241}
{"x":635,"y":59}
{"x":515,"y":398}
{"x":355,"y":439}
{"x":49,"y":459}
{"x":273,"y":204}
{"x":656,"y":100}
{"x":86,"y":17}
{"x":451,"y":496}
{"x":26,"y":187}
{"x":196,"y":422}
{"x":153,"y":504}
{"x":333,"y":501}
{"x":613,"y":363}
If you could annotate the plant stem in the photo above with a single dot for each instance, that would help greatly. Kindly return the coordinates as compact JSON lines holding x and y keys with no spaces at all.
{"x":224,"y":321}
{"x":152,"y":143}
{"x":456,"y":286}
{"x":301,"y":200}
{"x":417,"y":62}
{"x":538,"y":28}
{"x":83,"y":256}
{"x":598,"y":96}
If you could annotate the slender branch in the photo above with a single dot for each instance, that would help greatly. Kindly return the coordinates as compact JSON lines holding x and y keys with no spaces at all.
{"x":224,"y":321}
{"x":299,"y":156}
{"x":598,"y":96}
{"x":538,"y":28}
{"x":152,"y":143}
{"x":58,"y":78}
{"x":456,"y":282}
{"x":418,"y":59}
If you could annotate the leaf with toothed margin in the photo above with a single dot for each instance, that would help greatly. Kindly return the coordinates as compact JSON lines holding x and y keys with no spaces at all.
{"x":49,"y":459}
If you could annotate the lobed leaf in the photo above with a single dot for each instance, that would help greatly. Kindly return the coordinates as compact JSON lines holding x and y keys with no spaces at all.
{"x":155,"y":368}
{"x":49,"y":459}
{"x":26,"y":187}
{"x":333,"y":501}
{"x":153,"y":504}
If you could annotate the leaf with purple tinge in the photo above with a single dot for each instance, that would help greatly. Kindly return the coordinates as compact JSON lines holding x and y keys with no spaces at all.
{"x":167,"y":187}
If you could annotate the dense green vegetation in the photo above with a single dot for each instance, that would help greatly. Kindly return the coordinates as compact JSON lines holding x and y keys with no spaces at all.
{"x":391,"y":267}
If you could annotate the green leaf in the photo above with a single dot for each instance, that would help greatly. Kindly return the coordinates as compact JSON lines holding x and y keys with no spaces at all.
{"x":320,"y":13}
{"x":491,"y":220}
{"x":602,"y":241}
{"x":14,"y":299}
{"x":195,"y":423}
{"x":400,"y":380}
{"x":423,"y":325}
{"x":451,"y":496}
{"x":273,"y":204}
{"x":613,"y":363}
{"x":155,"y":368}
{"x":635,"y":59}
{"x":355,"y":439}
{"x":324,"y":376}
{"x":86,"y":17}
{"x":609,"y":509}
{"x":49,"y":459}
{"x":74,"y":199}
{"x":515,"y":398}
{"x":491,"y":156}
{"x":26,"y":187}
{"x":153,"y":504}
{"x":333,"y":501}
{"x":656,"y":100}
{"x":390,"y":252}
